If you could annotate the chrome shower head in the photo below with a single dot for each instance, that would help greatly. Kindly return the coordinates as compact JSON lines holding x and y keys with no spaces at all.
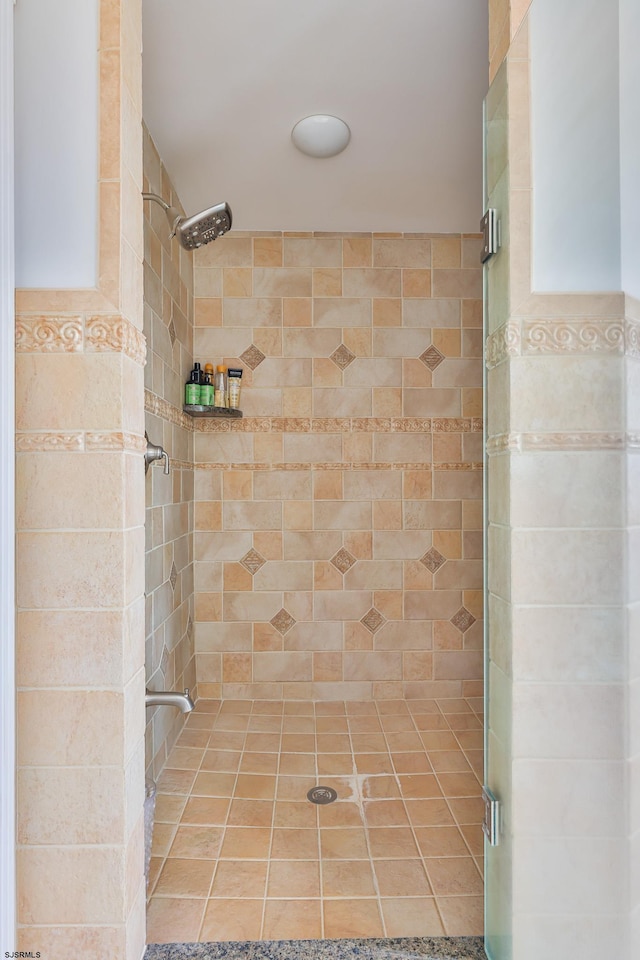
{"x":193,"y":232}
{"x":203,"y":227}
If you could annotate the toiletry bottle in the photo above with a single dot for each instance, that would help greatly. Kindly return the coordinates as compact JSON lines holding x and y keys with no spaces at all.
{"x":192,"y":387}
{"x":234,"y":379}
{"x":220,"y":387}
{"x":206,"y":387}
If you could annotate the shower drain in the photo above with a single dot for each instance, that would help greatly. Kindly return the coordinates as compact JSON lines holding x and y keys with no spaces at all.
{"x":322,"y":795}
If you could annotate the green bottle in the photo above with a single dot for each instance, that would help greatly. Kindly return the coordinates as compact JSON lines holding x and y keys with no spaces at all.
{"x":192,"y":387}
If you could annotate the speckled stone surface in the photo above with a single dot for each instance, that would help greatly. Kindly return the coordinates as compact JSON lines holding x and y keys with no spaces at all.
{"x":411,"y":948}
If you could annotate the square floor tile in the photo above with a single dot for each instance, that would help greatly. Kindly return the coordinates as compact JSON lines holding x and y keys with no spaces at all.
{"x":171,"y":920}
{"x":454,"y":875}
{"x":462,"y":916}
{"x":352,"y":918}
{"x":402,"y":878}
{"x":246,"y":843}
{"x":347,"y":878}
{"x":185,"y":878}
{"x":232,"y":920}
{"x":197,"y":842}
{"x":411,"y":917}
{"x":240,"y":878}
{"x":292,"y":920}
{"x":291,"y":879}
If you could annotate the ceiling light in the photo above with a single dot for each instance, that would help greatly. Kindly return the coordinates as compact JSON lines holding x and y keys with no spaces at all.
{"x":321,"y":135}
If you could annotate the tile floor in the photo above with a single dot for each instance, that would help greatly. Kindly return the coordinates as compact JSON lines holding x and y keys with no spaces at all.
{"x":239,"y":853}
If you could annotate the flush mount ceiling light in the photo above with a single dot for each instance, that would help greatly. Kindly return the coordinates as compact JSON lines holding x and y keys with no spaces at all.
{"x":321,"y":135}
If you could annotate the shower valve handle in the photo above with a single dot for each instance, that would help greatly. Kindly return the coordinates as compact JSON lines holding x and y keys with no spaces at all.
{"x":155,"y":452}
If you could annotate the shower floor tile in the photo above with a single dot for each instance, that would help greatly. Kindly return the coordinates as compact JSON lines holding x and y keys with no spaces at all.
{"x":239,"y":853}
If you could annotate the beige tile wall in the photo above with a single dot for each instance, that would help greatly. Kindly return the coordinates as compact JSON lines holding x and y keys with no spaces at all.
{"x":80,"y":546}
{"x":338,"y":538}
{"x":168,"y":328}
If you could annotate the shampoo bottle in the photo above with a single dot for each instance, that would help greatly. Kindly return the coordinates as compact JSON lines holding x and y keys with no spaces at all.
{"x":206,"y":388}
{"x":220,"y":388}
{"x":192,"y":386}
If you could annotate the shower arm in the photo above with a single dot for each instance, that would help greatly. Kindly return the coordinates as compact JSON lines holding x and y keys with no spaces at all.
{"x":174,"y":216}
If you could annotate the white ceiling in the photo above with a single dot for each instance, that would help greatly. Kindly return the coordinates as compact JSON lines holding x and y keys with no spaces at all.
{"x":225,"y":80}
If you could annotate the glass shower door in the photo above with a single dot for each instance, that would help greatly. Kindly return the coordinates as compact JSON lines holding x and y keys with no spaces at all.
{"x":497,"y":645}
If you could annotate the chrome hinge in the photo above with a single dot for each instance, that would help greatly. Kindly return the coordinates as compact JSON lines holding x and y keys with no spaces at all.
{"x":490,"y":227}
{"x":491,"y":820}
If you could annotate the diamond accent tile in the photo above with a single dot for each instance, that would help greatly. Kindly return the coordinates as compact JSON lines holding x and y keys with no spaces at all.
{"x":373,"y":620}
{"x":462,"y":619}
{"x":252,"y":561}
{"x":173,"y":576}
{"x":343,"y":560}
{"x":342,"y":357}
{"x":431,"y":357}
{"x":283,"y":621}
{"x":433,"y":560}
{"x":172,"y":333}
{"x":252,"y":357}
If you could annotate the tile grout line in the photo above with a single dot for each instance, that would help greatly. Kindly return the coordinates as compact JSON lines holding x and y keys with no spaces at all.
{"x":412,"y":828}
{"x":359,"y":781}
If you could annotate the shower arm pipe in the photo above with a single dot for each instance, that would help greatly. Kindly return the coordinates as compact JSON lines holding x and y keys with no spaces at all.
{"x":174,"y":216}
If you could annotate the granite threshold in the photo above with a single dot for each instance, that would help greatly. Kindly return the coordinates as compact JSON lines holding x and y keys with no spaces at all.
{"x":401,"y":948}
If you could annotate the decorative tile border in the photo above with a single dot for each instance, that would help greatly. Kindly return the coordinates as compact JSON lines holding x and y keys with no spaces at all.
{"x":49,"y":334}
{"x":561,"y":442}
{"x":97,"y":334}
{"x":503,"y":343}
{"x":632,"y":338}
{"x":346,"y":465}
{"x":114,"y":441}
{"x":78,"y":442}
{"x":572,"y":336}
{"x":117,"y":335}
{"x":576,"y":337}
{"x":159,"y":407}
{"x":41,"y":442}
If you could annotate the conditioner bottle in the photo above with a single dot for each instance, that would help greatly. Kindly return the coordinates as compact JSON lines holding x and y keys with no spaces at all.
{"x":235,"y":379}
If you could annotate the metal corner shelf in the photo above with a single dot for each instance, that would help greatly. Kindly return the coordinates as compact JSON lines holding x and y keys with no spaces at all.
{"x":198,"y":410}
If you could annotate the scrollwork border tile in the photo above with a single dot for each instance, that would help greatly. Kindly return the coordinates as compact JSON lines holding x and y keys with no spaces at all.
{"x":503,"y":343}
{"x":115,"y":334}
{"x":43,"y":442}
{"x":572,"y":337}
{"x":49,"y":334}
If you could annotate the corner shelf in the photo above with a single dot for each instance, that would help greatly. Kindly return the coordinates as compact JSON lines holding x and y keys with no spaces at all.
{"x":224,"y":413}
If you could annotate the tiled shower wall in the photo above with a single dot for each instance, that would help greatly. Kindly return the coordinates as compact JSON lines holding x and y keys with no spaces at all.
{"x":168,"y":327}
{"x":80,"y":540}
{"x":338,"y":537}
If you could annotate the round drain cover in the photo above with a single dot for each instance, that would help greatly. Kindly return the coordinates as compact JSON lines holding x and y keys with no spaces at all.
{"x":322,"y":795}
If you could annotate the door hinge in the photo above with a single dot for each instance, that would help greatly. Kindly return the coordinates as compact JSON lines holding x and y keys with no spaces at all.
{"x":491,"y":820}
{"x":490,"y":227}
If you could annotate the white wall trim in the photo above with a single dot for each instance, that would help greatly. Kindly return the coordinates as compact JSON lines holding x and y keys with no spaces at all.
{"x":7,"y":514}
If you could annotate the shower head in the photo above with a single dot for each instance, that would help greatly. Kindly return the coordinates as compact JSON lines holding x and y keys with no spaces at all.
{"x":203,"y":227}
{"x":193,"y":232}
